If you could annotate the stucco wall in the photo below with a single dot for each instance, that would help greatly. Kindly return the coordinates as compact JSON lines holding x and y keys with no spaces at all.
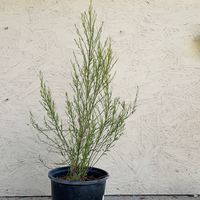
{"x":158,"y":45}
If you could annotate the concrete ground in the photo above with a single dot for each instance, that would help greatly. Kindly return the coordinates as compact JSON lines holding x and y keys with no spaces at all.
{"x":156,"y":197}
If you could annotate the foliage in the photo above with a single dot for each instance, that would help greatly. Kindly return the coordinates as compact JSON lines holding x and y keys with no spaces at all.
{"x":96,"y":120}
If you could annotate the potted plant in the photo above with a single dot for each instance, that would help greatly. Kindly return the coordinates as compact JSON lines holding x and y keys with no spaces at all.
{"x":95,"y":119}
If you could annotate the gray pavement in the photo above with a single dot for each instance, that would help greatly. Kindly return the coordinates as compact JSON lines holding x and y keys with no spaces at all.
{"x":141,"y":197}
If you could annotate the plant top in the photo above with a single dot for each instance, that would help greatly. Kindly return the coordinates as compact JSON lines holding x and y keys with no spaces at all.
{"x":96,"y":120}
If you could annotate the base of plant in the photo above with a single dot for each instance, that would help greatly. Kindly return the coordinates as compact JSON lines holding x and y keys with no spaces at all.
{"x":80,"y":190}
{"x":86,"y":178}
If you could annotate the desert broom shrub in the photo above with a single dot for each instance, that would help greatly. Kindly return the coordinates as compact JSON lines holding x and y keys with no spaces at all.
{"x":95,"y":119}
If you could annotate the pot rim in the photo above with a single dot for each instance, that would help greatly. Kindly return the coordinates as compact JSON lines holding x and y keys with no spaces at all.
{"x":52,"y":175}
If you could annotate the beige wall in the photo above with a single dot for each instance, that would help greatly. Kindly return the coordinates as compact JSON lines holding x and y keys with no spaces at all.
{"x":158,"y":45}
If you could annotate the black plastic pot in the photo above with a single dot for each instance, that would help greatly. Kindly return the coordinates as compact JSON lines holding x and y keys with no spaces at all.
{"x":70,"y":190}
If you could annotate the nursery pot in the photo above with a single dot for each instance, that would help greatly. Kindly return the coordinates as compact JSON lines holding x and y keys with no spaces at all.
{"x":81,"y":190}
